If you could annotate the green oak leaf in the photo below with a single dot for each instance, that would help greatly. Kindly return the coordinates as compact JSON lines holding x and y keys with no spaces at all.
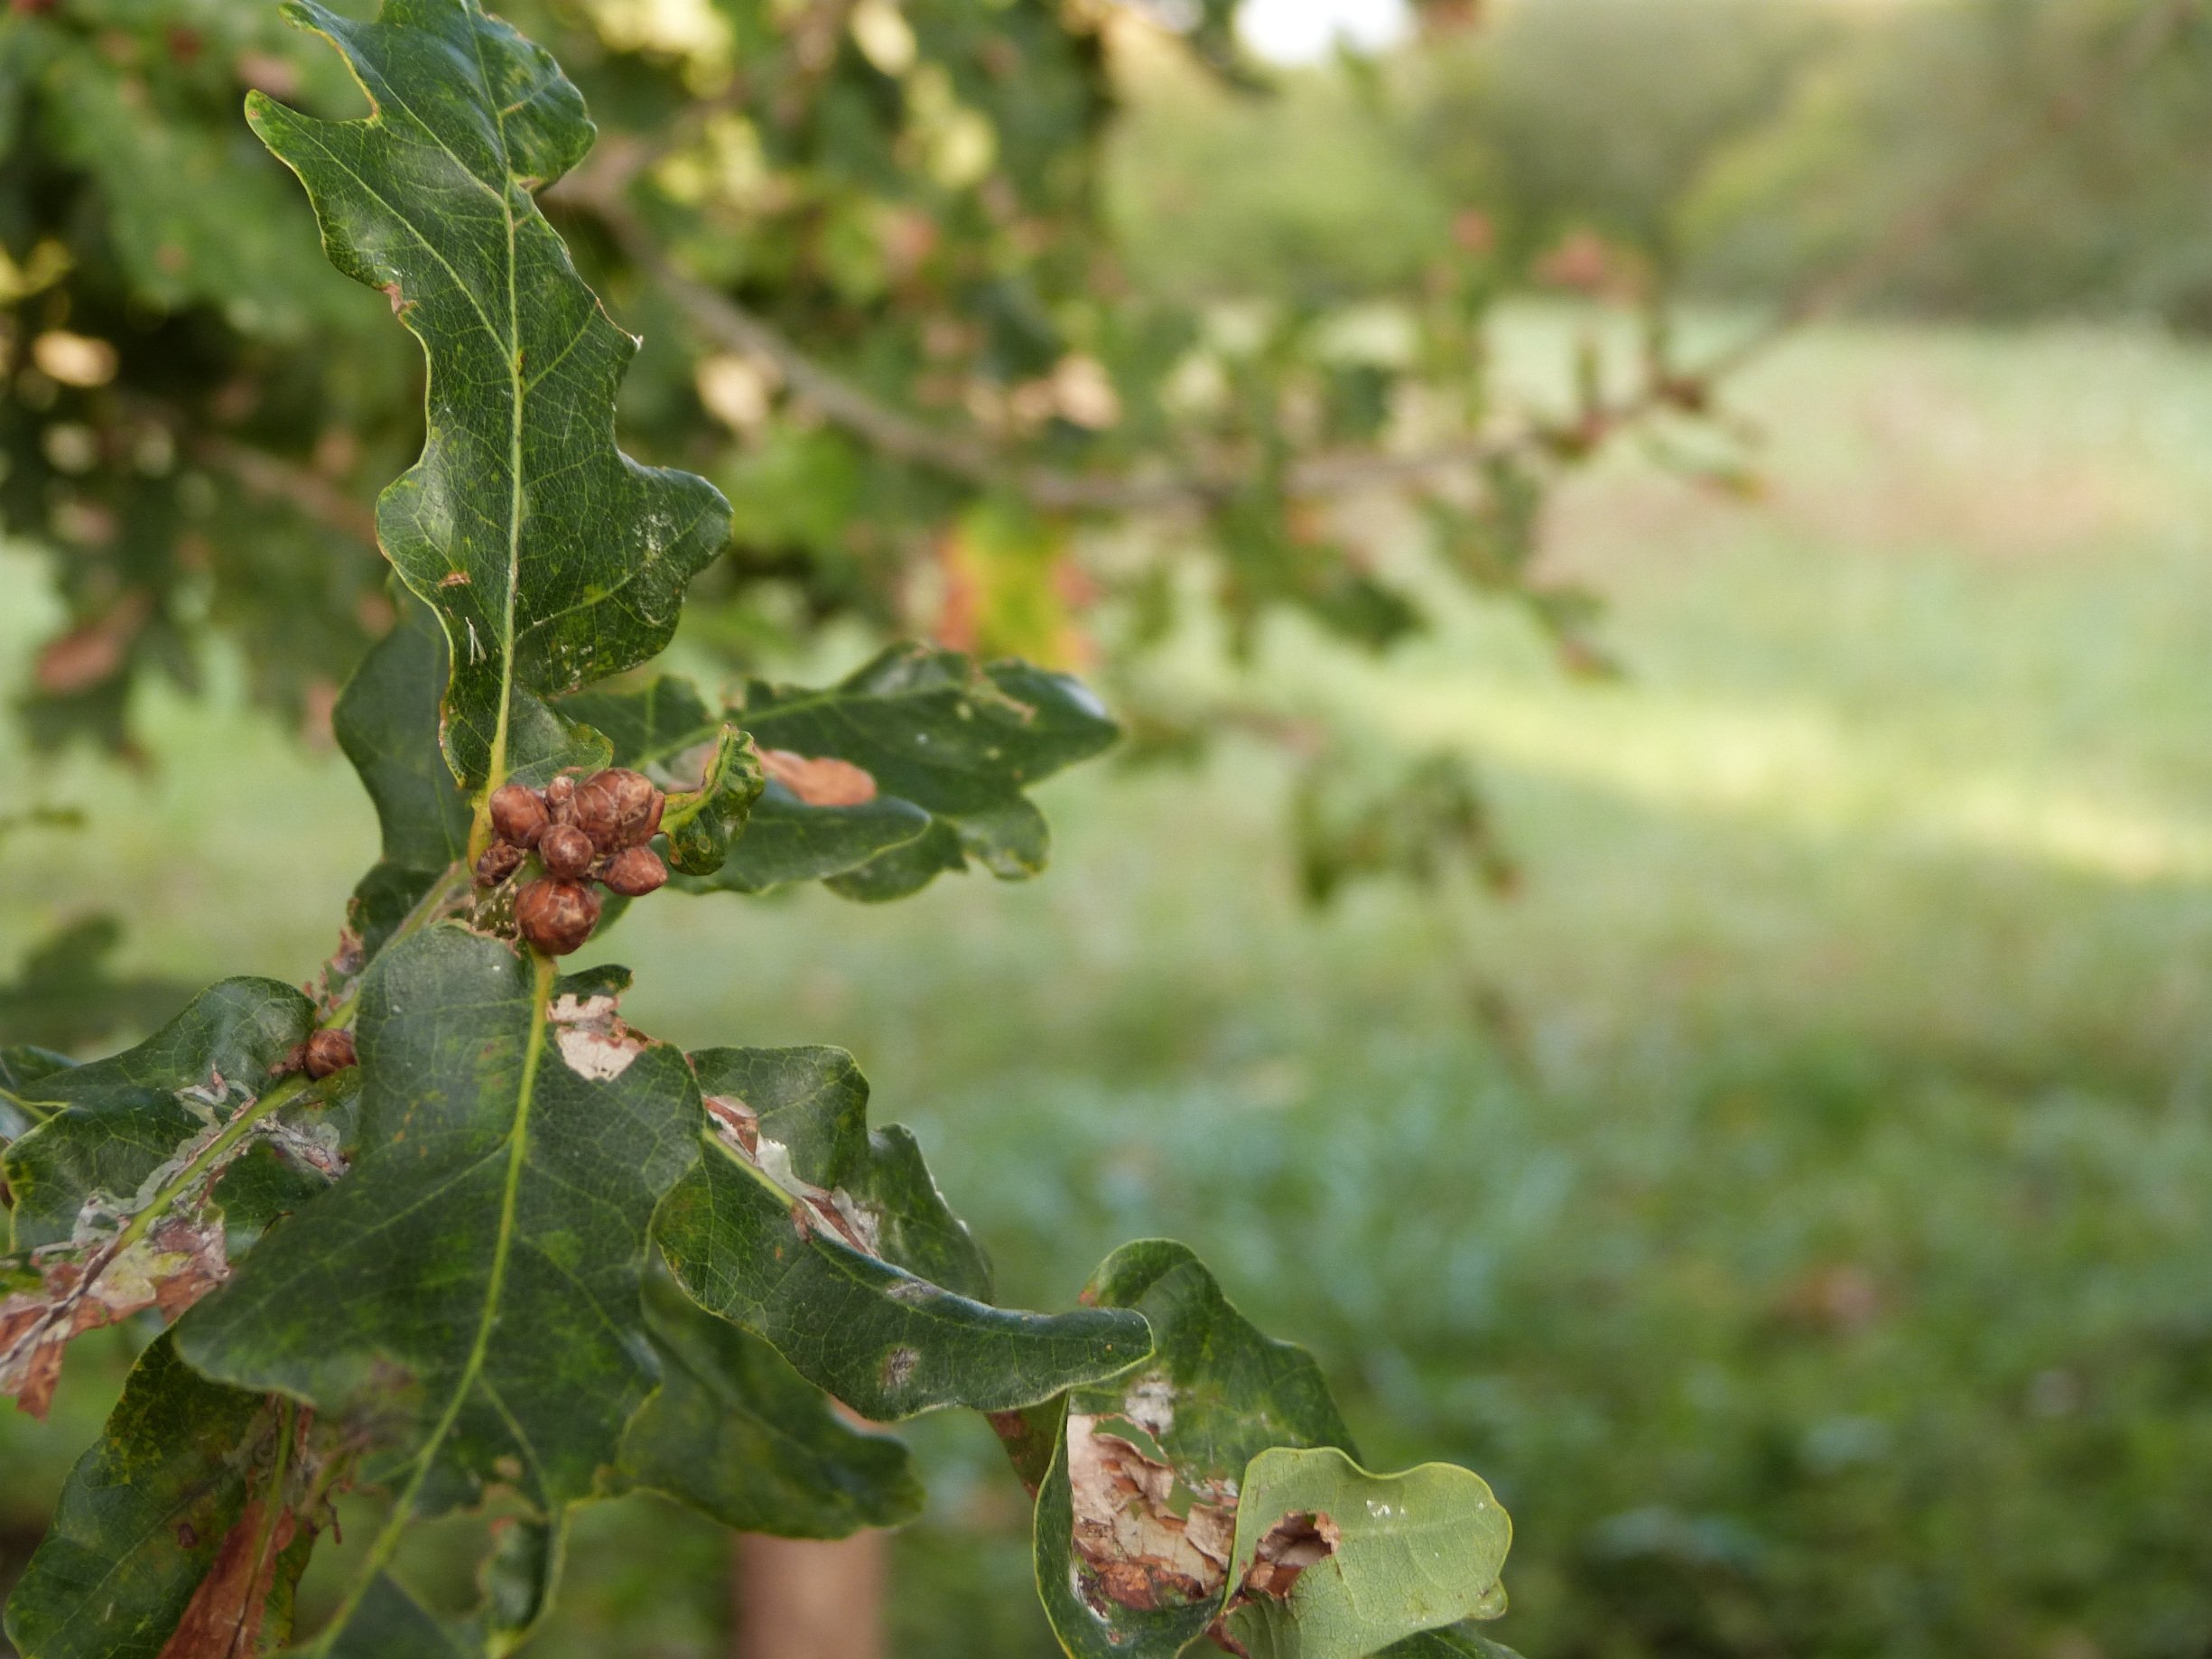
{"x":1460,"y":1641}
{"x":1135,"y":1517}
{"x":804,"y":1112}
{"x":387,"y":723}
{"x":467,"y":1300}
{"x":110,"y":1124}
{"x":115,"y":1206}
{"x":664,"y":730}
{"x":777,"y":839}
{"x":739,"y":1436}
{"x":931,"y":754}
{"x":517,"y":1580}
{"x":1396,"y":1553}
{"x":703,"y":822}
{"x":22,"y":1067}
{"x":148,"y":1516}
{"x":756,"y":1235}
{"x":550,"y":556}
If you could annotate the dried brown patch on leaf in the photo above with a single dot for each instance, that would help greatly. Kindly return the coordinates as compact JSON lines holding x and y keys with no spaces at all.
{"x":819,"y":780}
{"x":66,"y":1290}
{"x":225,"y":1616}
{"x":824,"y":1209}
{"x":334,"y":986}
{"x":1143,"y":1550}
{"x":162,"y":1248}
{"x":1289,"y":1547}
{"x":593,"y":1040}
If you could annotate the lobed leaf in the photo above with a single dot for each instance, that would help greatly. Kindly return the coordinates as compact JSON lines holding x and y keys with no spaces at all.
{"x":801,"y":1114}
{"x":902,"y":770}
{"x":770,"y":837}
{"x":170,"y":1501}
{"x":1136,"y":1517}
{"x":116,"y":1189}
{"x":1212,"y":1492}
{"x":962,"y":741}
{"x":551,"y":558}
{"x":1332,"y":1562}
{"x":467,"y":1300}
{"x":739,"y":1436}
{"x":387,"y":723}
{"x":758,"y":1235}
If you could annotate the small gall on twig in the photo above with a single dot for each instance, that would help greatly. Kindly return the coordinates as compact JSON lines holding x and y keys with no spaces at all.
{"x":329,"y":1052}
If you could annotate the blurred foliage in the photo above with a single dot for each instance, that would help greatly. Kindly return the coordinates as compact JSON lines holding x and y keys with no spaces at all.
{"x":871,"y":247}
{"x":65,"y":994}
{"x":2113,"y":219}
{"x":1562,"y":119}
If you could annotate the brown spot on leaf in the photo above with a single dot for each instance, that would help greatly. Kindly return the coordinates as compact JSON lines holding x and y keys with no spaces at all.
{"x":898,"y":1367}
{"x":593,"y":1040}
{"x":819,"y":780}
{"x":224,"y":1617}
{"x":106,"y":1272}
{"x":737,"y":1122}
{"x":454,"y":579}
{"x":824,"y":1209}
{"x":1291,"y":1546}
{"x":72,"y":1288}
{"x":1142,"y":1553}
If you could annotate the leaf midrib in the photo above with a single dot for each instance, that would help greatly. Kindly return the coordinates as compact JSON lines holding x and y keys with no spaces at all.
{"x":496,"y":773}
{"x":387,"y":1539}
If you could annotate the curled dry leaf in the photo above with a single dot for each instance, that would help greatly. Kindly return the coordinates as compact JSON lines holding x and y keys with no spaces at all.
{"x":1127,"y":1528}
{"x":819,"y":780}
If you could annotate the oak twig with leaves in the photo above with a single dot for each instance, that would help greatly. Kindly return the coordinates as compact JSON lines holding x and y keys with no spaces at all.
{"x":446,"y":1223}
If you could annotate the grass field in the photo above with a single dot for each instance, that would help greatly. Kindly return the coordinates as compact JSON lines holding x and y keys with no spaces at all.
{"x":1795,"y":1199}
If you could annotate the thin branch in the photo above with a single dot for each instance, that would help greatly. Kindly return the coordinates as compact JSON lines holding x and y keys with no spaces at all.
{"x":600,"y":189}
{"x":270,"y":476}
{"x":282,"y":480}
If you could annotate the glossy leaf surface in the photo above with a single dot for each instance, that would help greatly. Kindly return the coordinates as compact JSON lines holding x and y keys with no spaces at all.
{"x":757,"y":1235}
{"x":468,"y":1298}
{"x":551,"y":557}
{"x":739,"y":1435}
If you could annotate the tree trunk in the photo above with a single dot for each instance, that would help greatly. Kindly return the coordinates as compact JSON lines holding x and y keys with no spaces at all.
{"x":799,"y":1600}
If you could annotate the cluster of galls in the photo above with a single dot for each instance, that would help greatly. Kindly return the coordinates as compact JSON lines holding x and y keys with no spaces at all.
{"x":595,"y":830}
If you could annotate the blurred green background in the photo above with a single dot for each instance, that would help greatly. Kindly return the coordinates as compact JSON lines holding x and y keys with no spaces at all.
{"x":1793,"y":1197}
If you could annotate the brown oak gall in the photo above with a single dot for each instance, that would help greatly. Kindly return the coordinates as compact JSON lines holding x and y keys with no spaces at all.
{"x":566,"y":850}
{"x":635,"y":871}
{"x":556,"y":916}
{"x":329,"y":1052}
{"x":501,"y":860}
{"x":517,"y":813}
{"x":617,"y":808}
